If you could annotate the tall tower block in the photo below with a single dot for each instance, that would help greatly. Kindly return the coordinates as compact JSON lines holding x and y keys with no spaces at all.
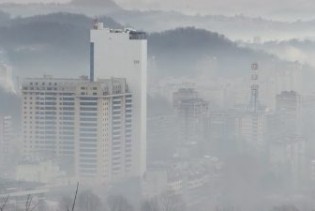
{"x":123,"y":54}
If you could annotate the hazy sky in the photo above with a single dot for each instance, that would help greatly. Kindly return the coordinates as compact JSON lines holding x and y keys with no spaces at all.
{"x":30,"y":1}
{"x":296,"y":8}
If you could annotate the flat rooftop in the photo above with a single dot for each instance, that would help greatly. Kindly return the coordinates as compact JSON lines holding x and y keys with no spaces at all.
{"x":133,"y":34}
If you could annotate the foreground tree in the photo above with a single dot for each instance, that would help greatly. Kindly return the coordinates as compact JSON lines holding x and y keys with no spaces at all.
{"x":150,"y":205}
{"x":285,"y":208}
{"x":119,"y":203}
{"x":4,"y":203}
{"x":165,"y":202}
{"x":65,"y":203}
{"x":42,"y":206}
{"x":88,"y":201}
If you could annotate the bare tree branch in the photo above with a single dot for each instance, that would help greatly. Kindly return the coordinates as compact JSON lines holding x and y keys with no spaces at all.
{"x":36,"y":205}
{"x":28,"y":203}
{"x":4,"y":203}
{"x":75,"y":197}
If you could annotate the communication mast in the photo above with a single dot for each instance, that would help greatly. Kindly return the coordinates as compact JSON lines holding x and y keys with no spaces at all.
{"x":254,"y":88}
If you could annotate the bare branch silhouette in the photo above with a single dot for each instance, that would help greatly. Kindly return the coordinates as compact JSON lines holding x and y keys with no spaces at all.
{"x":34,"y":207}
{"x":75,"y":197}
{"x":28,"y":202}
{"x":4,"y":203}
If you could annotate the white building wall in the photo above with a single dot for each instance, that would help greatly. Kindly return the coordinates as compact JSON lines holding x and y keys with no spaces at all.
{"x":116,"y":55}
{"x":48,"y":108}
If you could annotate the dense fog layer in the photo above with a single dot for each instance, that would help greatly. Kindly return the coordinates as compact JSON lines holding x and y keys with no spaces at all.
{"x":230,"y":109}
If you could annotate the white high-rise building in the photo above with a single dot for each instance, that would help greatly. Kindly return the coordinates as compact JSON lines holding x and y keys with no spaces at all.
{"x":48,"y":119}
{"x":123,"y":54}
{"x":104,"y":125}
{"x":87,"y":125}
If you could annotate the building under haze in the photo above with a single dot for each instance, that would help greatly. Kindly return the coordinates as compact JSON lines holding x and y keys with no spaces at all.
{"x":95,"y":129}
{"x":48,"y":119}
{"x":250,"y":130}
{"x":6,"y":135}
{"x":287,"y":143}
{"x":81,"y":124}
{"x":123,"y":54}
{"x":192,"y":112}
{"x":288,"y":105}
{"x":107,"y":147}
{"x":286,"y":120}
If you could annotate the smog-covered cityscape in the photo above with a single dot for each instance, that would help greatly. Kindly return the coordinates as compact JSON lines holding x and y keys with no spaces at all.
{"x":157,"y":105}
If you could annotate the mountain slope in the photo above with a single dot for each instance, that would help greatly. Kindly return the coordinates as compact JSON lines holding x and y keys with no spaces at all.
{"x":55,"y":43}
{"x":102,"y":3}
{"x":181,"y":51}
{"x":59,"y":44}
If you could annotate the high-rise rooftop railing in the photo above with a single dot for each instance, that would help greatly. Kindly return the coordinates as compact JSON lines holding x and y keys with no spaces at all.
{"x":133,"y":35}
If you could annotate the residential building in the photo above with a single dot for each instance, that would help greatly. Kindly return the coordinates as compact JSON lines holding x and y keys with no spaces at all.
{"x":6,"y":133}
{"x":87,"y":127}
{"x":123,"y":54}
{"x":6,"y":138}
{"x":192,"y":112}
